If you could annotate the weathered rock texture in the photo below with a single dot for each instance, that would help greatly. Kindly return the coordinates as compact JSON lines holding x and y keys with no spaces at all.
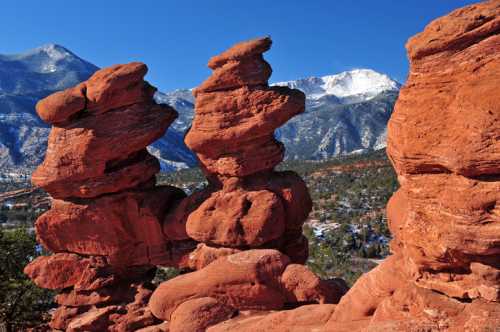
{"x":248,"y":220}
{"x":105,"y":224}
{"x":444,"y":142}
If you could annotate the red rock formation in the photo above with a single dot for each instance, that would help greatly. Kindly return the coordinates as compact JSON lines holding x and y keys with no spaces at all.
{"x":110,"y":225}
{"x":246,"y":280}
{"x":302,"y":286}
{"x":237,"y":218}
{"x":204,"y":255}
{"x":105,"y":225}
{"x":247,"y":205}
{"x":443,"y":140}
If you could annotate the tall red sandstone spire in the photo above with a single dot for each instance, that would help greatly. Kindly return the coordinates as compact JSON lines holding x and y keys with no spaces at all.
{"x":247,"y":204}
{"x":104,"y":226}
{"x":249,"y":219}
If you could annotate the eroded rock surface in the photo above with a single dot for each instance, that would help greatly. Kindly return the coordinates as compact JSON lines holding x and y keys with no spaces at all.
{"x":443,"y":140}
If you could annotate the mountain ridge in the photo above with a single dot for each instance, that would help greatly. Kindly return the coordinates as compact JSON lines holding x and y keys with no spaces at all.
{"x":353,"y":111}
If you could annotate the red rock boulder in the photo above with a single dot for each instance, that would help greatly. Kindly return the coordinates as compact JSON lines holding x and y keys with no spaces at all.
{"x":125,"y":227}
{"x":238,"y":219}
{"x":198,"y":314}
{"x":301,"y":285}
{"x":246,"y":280}
{"x":57,"y":271}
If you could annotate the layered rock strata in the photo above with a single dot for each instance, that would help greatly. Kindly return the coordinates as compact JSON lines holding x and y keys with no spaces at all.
{"x":105,"y":224}
{"x":444,"y":142}
{"x":248,"y":220}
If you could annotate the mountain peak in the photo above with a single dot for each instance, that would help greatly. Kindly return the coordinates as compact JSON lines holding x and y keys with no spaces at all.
{"x":53,"y":51}
{"x":361,"y":83}
{"x":49,"y":58}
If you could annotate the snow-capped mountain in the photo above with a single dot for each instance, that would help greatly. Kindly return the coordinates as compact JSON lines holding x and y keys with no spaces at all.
{"x":183,"y":101}
{"x":345,"y":113}
{"x":350,"y":86}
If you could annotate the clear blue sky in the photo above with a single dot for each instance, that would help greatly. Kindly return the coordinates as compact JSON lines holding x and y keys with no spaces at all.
{"x":175,"y":38}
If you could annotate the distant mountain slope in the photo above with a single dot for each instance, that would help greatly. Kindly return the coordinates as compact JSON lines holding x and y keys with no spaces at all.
{"x":170,"y":149}
{"x":329,"y":128}
{"x":24,"y":79}
{"x":345,"y":113}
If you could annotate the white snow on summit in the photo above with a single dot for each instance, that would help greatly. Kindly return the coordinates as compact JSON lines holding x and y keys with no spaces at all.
{"x":362,"y":83}
{"x":55,"y":52}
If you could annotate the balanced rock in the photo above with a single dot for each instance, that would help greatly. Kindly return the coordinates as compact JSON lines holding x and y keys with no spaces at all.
{"x":60,"y":106}
{"x":237,"y":113}
{"x":245,"y":280}
{"x":249,"y":217}
{"x":242,"y":65}
{"x":118,"y":86}
{"x":247,"y":204}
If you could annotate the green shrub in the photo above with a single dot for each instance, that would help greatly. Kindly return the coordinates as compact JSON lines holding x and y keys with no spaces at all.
{"x":22,"y":303}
